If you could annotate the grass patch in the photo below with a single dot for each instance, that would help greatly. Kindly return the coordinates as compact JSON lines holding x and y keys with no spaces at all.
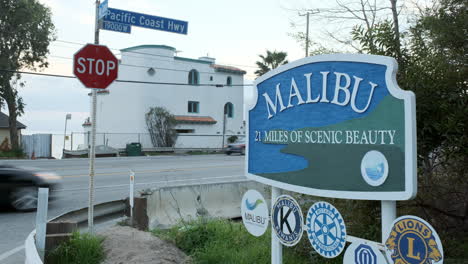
{"x":223,"y":241}
{"x":15,"y":153}
{"x":80,"y":249}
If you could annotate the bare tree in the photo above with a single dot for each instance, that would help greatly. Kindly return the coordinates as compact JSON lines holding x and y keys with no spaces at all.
{"x":335,"y":26}
{"x":161,"y":126}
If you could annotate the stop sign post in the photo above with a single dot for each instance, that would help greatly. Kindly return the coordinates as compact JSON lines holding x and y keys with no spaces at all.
{"x":95,"y":66}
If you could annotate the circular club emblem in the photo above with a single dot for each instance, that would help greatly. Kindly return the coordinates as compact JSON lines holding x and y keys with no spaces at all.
{"x":287,"y":220}
{"x":326,"y":229}
{"x":358,"y":253}
{"x":254,"y":212}
{"x":413,"y":241}
{"x":374,"y":168}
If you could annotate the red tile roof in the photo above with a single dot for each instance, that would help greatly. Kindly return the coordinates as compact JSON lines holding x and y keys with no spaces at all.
{"x":195,"y":119}
{"x":228,"y":69}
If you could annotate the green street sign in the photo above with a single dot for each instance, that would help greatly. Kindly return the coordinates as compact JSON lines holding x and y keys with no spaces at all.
{"x":334,"y":126}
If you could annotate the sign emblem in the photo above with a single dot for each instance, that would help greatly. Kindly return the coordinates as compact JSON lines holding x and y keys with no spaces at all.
{"x":334,"y":126}
{"x":374,"y":168}
{"x":254,"y":212}
{"x":413,"y":241}
{"x":326,"y":229}
{"x":287,"y":220}
{"x":358,"y":253}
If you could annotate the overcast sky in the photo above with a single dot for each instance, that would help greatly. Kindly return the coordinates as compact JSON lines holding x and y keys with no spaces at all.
{"x":233,"y":32}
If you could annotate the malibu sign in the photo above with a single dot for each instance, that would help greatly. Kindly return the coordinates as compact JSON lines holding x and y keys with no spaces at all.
{"x":334,"y":126}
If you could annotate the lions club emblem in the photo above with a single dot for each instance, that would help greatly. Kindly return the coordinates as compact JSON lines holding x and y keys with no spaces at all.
{"x":413,"y":241}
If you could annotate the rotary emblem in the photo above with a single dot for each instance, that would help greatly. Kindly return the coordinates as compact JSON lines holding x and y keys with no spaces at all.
{"x":326,"y":229}
{"x":413,"y":241}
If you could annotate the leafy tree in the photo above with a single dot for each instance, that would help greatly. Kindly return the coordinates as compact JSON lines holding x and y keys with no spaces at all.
{"x":25,"y":35}
{"x":161,"y":126}
{"x":271,"y":61}
{"x":434,"y":66}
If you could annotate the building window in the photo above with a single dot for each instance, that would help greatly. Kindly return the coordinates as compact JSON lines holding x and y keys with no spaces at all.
{"x":229,"y":81}
{"x":193,"y":77}
{"x":185,"y":131}
{"x":211,"y":78}
{"x":193,"y":107}
{"x":151,"y":71}
{"x":229,"y":110}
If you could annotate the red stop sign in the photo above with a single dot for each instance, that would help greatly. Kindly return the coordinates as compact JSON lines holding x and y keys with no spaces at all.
{"x":95,"y":66}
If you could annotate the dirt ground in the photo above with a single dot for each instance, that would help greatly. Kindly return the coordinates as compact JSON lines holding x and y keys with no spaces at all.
{"x":126,"y":245}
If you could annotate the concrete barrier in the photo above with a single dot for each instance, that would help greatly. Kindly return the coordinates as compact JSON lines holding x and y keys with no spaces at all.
{"x":32,"y":256}
{"x":169,"y":205}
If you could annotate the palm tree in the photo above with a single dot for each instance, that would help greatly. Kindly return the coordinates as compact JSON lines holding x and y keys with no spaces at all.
{"x":271,"y":61}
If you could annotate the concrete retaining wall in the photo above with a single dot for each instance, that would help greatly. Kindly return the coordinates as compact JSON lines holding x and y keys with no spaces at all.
{"x":32,"y":256}
{"x":169,"y":205}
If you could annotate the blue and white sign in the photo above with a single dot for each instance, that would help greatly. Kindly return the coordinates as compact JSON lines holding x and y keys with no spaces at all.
{"x":114,"y":26}
{"x":287,"y":220}
{"x":146,"y":21}
{"x":358,"y":253}
{"x":334,"y":126}
{"x":413,"y":241}
{"x":326,"y":229}
{"x":254,"y":210}
{"x":103,"y":6}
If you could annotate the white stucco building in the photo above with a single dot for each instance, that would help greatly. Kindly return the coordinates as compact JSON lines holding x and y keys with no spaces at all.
{"x":196,"y":91}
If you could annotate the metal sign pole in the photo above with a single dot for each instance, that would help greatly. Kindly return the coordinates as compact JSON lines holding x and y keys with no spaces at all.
{"x":276,"y":247}
{"x":388,"y":216}
{"x":92,"y":153}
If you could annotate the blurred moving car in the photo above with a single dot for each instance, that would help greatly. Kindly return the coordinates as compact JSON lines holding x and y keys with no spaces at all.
{"x":82,"y":152}
{"x":236,"y":147}
{"x":19,"y":186}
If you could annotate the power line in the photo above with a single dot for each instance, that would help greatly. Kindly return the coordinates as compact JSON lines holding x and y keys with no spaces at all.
{"x":149,"y":54}
{"x":123,"y":81}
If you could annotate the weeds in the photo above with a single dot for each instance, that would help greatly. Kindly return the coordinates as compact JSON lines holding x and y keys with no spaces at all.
{"x":80,"y":249}
{"x":224,"y":241}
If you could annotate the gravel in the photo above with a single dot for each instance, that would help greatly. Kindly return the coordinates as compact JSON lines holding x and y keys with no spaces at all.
{"x":124,"y":244}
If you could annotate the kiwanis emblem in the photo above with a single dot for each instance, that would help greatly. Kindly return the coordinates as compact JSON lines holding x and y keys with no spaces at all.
{"x":413,"y":241}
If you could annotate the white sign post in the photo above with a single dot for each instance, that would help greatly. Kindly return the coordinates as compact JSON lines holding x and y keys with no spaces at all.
{"x":131,"y":195}
{"x":41,"y":220}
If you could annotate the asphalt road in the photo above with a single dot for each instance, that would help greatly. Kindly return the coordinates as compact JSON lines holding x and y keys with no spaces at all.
{"x":111,"y":183}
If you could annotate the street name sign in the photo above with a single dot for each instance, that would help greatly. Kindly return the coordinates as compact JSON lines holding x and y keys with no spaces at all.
{"x":334,"y":126}
{"x":146,"y":21}
{"x":103,"y":8}
{"x":118,"y":27}
{"x":95,"y":66}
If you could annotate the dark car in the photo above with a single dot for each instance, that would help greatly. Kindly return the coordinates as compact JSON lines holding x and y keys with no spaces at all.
{"x":19,"y":186}
{"x":236,"y":147}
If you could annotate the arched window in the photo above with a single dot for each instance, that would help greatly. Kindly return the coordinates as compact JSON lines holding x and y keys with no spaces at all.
{"x":193,"y":77}
{"x":229,"y":81}
{"x":229,"y":110}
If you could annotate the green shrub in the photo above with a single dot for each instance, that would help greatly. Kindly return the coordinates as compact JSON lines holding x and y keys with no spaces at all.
{"x":80,"y":249}
{"x":224,"y":241}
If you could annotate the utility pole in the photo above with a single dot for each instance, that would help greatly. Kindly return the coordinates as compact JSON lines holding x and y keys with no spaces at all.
{"x":308,"y":12}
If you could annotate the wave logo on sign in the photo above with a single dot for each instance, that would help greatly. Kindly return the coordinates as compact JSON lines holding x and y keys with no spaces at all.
{"x":252,"y":206}
{"x":254,"y":214}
